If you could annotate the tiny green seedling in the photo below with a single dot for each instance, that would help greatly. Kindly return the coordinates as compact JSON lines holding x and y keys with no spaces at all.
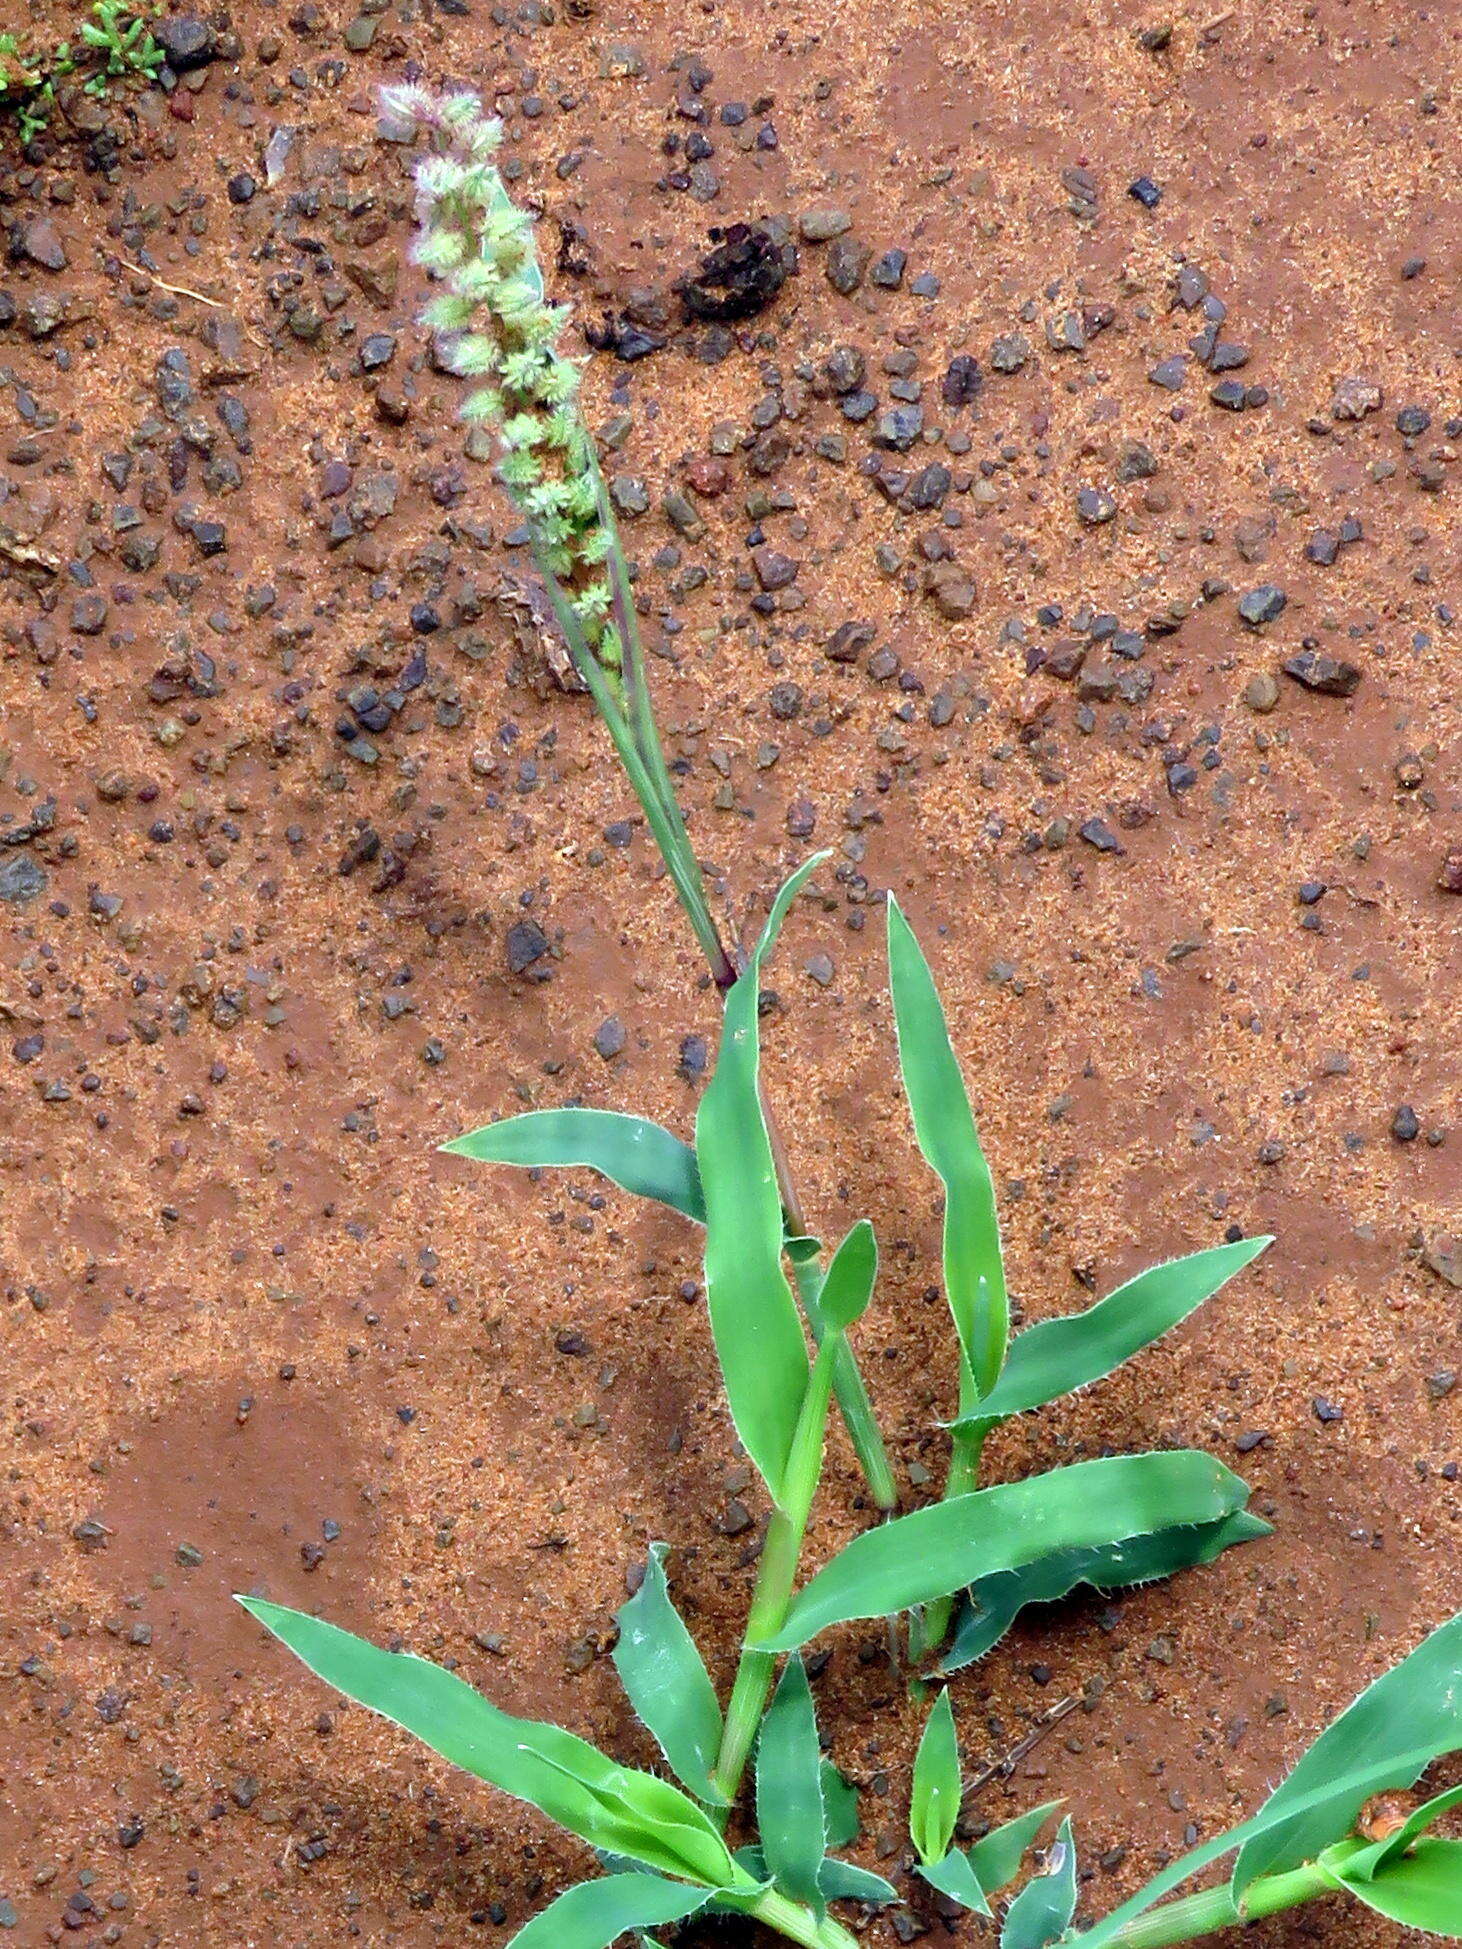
{"x":782,"y":1313}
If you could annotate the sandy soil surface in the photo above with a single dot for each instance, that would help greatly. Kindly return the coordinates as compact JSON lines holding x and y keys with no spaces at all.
{"x":1190,"y":913}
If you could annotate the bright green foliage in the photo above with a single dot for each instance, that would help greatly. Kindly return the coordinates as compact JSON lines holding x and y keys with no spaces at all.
{"x":973,"y":1875}
{"x":597,"y":1913}
{"x":840,"y":1807}
{"x":1417,"y":1704}
{"x":610,"y":1806}
{"x":937,"y":1791}
{"x":1380,"y":1854}
{"x":1421,"y":1889}
{"x":637,"y":1155}
{"x":949,"y":1544}
{"x":666,"y":1681}
{"x":848,"y":1284}
{"x":1384,"y":1740}
{"x":1109,"y":1522}
{"x":974,"y":1276}
{"x":1043,"y":1909}
{"x":1058,"y":1356}
{"x":995,"y":1860}
{"x":992,"y":1604}
{"x":790,"y":1815}
{"x":754,"y":1318}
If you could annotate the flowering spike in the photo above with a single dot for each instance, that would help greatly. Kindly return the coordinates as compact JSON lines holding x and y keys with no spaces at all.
{"x":502,"y":329}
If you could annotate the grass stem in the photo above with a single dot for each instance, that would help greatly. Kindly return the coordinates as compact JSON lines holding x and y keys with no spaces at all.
{"x":1212,"y":1909}
{"x":800,"y":1924}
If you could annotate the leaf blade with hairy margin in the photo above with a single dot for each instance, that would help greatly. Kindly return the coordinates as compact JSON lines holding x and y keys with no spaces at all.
{"x":839,"y":1881}
{"x":667,"y":1683}
{"x":943,"y":1547}
{"x":996,"y":1858}
{"x":790,"y":1816}
{"x":994,"y":1603}
{"x":1420,"y":1890}
{"x":972,"y":1875}
{"x":1364,"y":1780}
{"x":1363,"y":1865}
{"x":1043,"y":1909}
{"x":937,"y":1788}
{"x":1417,"y":1701}
{"x":612,"y":1807}
{"x":754,"y":1318}
{"x":598,"y":1913}
{"x":953,"y":1876}
{"x":944,"y":1124}
{"x":1055,"y":1357}
{"x":639,"y":1156}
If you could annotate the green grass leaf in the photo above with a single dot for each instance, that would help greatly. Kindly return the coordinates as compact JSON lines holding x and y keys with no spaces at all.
{"x":974,"y":1275}
{"x":754,"y":1318}
{"x":1417,"y":1704}
{"x":838,"y":1881}
{"x":993,"y":1603}
{"x":612,"y":1807}
{"x":845,"y":1881}
{"x":953,"y":1876}
{"x":972,"y":1875}
{"x":631,"y":1152}
{"x":667,"y":1682}
{"x":1363,"y":1865}
{"x":1420,"y":1890}
{"x":995,"y":1859}
{"x":848,"y":1284}
{"x":598,"y":1913}
{"x":1350,"y":1785}
{"x":840,"y":1807}
{"x":790,"y":1816}
{"x":937,"y":1789}
{"x":1057,"y":1356}
{"x":1043,"y":1909}
{"x":949,"y":1545}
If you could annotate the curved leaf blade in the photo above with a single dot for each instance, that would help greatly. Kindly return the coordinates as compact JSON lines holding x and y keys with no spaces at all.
{"x":1369,"y":1860}
{"x":840,"y":1806}
{"x":839,"y":1881}
{"x":1043,"y":1909}
{"x":1421,"y":1890}
{"x":598,"y":1913}
{"x":996,"y":1858}
{"x":954,"y":1877}
{"x":845,"y":1881}
{"x":942,"y":1548}
{"x":612,"y":1807}
{"x":637,"y":1155}
{"x":754,"y":1318}
{"x":790,"y":1815}
{"x":1417,"y":1704}
{"x":937,"y":1789}
{"x":1362,"y":1781}
{"x":994,"y":1603}
{"x":847,"y":1286}
{"x":667,"y":1683}
{"x":1057,"y":1356}
{"x":944,"y":1124}
{"x":972,"y":1875}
